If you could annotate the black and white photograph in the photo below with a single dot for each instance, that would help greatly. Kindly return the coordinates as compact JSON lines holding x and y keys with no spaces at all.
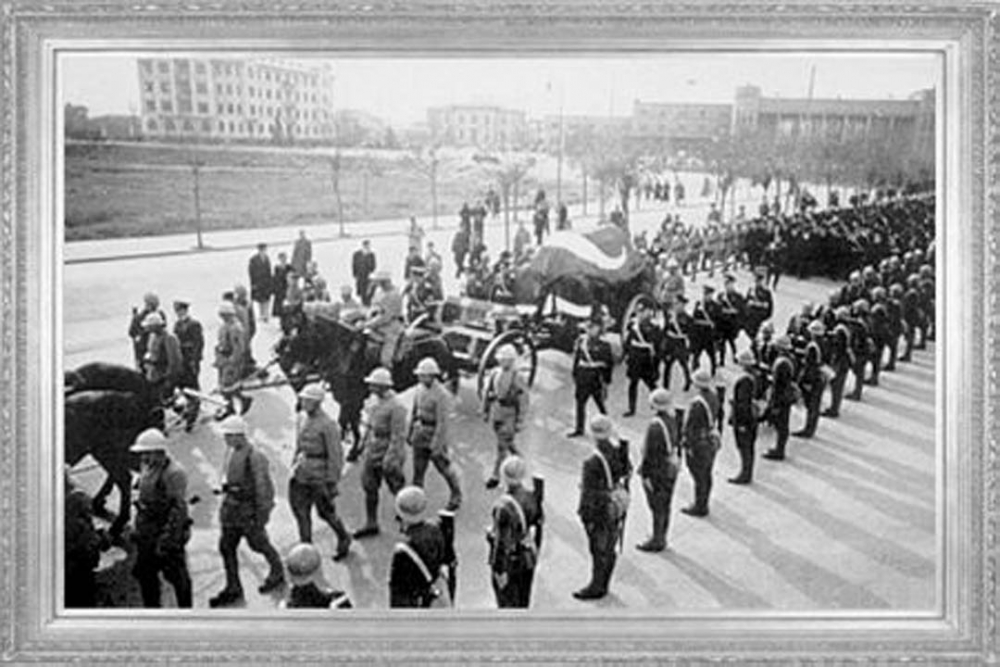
{"x":649,"y":333}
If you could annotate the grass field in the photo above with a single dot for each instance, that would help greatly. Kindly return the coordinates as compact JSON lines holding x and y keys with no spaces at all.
{"x":121,"y":190}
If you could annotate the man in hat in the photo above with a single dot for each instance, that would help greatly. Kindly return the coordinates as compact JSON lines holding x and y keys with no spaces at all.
{"x":162,"y":525}
{"x":279,"y":284}
{"x":703,"y":328}
{"x":417,"y":562}
{"x":515,"y":538}
{"x":301,"y":253}
{"x":642,"y":345}
{"x":744,"y":416}
{"x":675,"y":342}
{"x":259,"y":272}
{"x":230,"y":352}
{"x":841,"y":360}
{"x":812,"y":379}
{"x":505,"y":406}
{"x":139,"y":335}
{"x":429,"y":434}
{"x":305,"y":574}
{"x":316,"y":468}
{"x":162,"y":363}
{"x":672,"y":285}
{"x":784,"y":394}
{"x":191,"y":338}
{"x":701,"y":441}
{"x":731,"y":317}
{"x":363,"y":265}
{"x":604,"y":479}
{"x":659,"y":467}
{"x":248,"y":499}
{"x":384,"y":446}
{"x":592,"y":366}
{"x":413,"y":261}
{"x":385,"y":320}
{"x":862,"y":345}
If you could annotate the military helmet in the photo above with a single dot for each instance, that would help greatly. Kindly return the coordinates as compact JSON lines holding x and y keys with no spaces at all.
{"x":843,"y":313}
{"x":702,"y":379}
{"x":862,"y":306}
{"x":746,"y":358}
{"x":427,"y":366}
{"x":313,"y":392}
{"x":150,"y":440}
{"x":767,"y":327}
{"x":855,"y":275}
{"x":816,"y":328}
{"x":896,"y":290}
{"x":303,"y":563}
{"x":868,"y":271}
{"x":380,"y":376}
{"x":913,"y":280}
{"x":783,"y":343}
{"x":411,"y":502}
{"x":879,"y":294}
{"x":227,"y":308}
{"x":660,"y":399}
{"x":233,"y":425}
{"x":506,"y":352}
{"x":152,"y":320}
{"x":926,"y":271}
{"x":601,"y":426}
{"x":513,"y":469}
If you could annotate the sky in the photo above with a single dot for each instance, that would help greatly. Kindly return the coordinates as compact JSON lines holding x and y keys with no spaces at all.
{"x":400,"y":89}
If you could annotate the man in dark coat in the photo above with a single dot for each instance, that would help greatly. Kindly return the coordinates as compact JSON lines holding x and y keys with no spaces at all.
{"x":515,"y":538}
{"x":732,"y":308}
{"x":703,"y":328}
{"x":191,"y":337}
{"x":701,"y":441}
{"x":642,"y":345}
{"x":279,"y":284}
{"x":659,"y":467}
{"x":744,"y":416}
{"x":592,"y":366}
{"x":783,"y":396}
{"x":417,"y":563}
{"x":301,"y":253}
{"x":605,"y":472}
{"x":675,"y":342}
{"x":139,"y":335}
{"x":261,"y":286}
{"x":812,"y":379}
{"x":841,"y":360}
{"x":82,"y":549}
{"x":759,"y":302}
{"x":362,"y":268}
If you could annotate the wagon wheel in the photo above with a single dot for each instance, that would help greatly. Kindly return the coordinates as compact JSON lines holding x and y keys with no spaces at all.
{"x":646,"y":299}
{"x":526,"y":363}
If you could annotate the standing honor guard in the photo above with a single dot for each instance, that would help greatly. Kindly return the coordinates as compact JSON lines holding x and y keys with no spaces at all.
{"x":384,"y":447}
{"x":841,"y":360}
{"x":230,"y":352}
{"x":784,"y":394}
{"x":162,"y":525}
{"x":744,"y":416}
{"x":701,"y":441}
{"x":505,"y":405}
{"x":659,"y":467}
{"x":603,"y":504}
{"x":592,"y":365}
{"x":516,"y":536}
{"x":424,"y":558}
{"x":812,"y":379}
{"x":305,"y":571}
{"x":246,"y":508}
{"x":316,"y":470}
{"x":429,"y":431}
{"x":642,"y":345}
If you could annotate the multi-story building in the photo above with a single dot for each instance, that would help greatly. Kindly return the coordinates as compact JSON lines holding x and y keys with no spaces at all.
{"x":260,"y":100}
{"x":482,"y":126}
{"x":679,"y":126}
{"x":570,"y":128}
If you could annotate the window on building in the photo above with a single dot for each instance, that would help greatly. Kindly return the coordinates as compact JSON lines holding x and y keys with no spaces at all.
{"x":222,"y":108}
{"x":151,"y":125}
{"x":201,"y":87}
{"x":202,"y":107}
{"x":206,"y":126}
{"x":167,"y":106}
{"x":253,"y":110}
{"x":163,"y":67}
{"x":269,"y":93}
{"x":232,"y":127}
{"x":218,"y":89}
{"x":184,"y":105}
{"x":239,"y":109}
{"x":250,"y":90}
{"x":150,"y":105}
{"x":229,"y":89}
{"x":188,"y":126}
{"x":229,"y":70}
{"x":149,"y":87}
{"x":239,"y":90}
{"x":169,"y":124}
{"x":199,"y":68}
{"x":277,"y":94}
{"x":230,"y":109}
{"x":267,"y":76}
{"x":146,"y":66}
{"x":250,"y":72}
{"x":165,"y":87}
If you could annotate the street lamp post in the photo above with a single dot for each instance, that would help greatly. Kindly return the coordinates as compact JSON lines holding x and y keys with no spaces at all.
{"x":196,"y":172}
{"x":562,"y":144}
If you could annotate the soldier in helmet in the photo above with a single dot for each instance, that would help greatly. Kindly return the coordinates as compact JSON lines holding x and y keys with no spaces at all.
{"x":783,"y":396}
{"x":316,"y":469}
{"x":515,"y":537}
{"x":192,"y":343}
{"x":162,"y":363}
{"x":162,"y":525}
{"x":701,"y":441}
{"x":897,"y":326}
{"x":385,"y":320}
{"x":305,"y":570}
{"x":744,"y":416}
{"x":230,"y":352}
{"x":812,"y":379}
{"x":592,"y":366}
{"x":642,"y":344}
{"x":660,"y":465}
{"x":841,"y":360}
{"x":505,"y":406}
{"x":881,"y":330}
{"x":429,"y":433}
{"x":139,"y":335}
{"x":703,"y":328}
{"x":759,"y":303}
{"x":383,"y":444}
{"x":417,"y":562}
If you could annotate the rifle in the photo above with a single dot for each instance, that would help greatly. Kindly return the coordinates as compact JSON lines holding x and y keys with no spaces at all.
{"x":447,"y":523}
{"x":539,"y":492}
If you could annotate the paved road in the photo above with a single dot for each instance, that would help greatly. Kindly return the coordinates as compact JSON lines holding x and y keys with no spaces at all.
{"x":848,"y":522}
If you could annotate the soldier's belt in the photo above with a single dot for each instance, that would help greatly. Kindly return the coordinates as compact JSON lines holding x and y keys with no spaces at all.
{"x":591,"y":364}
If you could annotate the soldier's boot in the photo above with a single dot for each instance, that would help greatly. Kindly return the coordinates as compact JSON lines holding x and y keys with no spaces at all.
{"x":591,"y":591}
{"x":658,"y":540}
{"x":581,"y":413}
{"x":370,"y":529}
{"x":633,"y":393}
{"x":454,"y":488}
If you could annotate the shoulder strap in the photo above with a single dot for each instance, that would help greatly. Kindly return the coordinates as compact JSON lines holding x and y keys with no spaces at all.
{"x":666,"y":432}
{"x":607,"y":469}
{"x":417,"y":560}
{"x":708,"y":411}
{"x":511,"y":501}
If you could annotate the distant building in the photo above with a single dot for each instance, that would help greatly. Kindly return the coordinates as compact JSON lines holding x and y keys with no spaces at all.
{"x":359,"y":128}
{"x":549,"y":131}
{"x":481,"y":126}
{"x":679,"y":126}
{"x":78,"y":125}
{"x":258,"y":100}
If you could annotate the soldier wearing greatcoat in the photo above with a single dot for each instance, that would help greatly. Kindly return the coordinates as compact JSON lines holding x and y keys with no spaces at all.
{"x":429,"y":433}
{"x":418,"y":562}
{"x":659,"y":467}
{"x":642,"y":345}
{"x":701,"y":441}
{"x":812,"y":379}
{"x":515,"y":537}
{"x":592,"y":366}
{"x":505,"y":407}
{"x":744,"y":416}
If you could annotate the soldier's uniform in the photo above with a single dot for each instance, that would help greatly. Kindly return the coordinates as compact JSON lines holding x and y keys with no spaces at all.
{"x":860,"y":343}
{"x":505,"y":404}
{"x":701,"y":447}
{"x":743,"y":418}
{"x":881,"y":334}
{"x":894,"y":312}
{"x":429,"y":437}
{"x":813,"y":384}
{"x":162,"y":530}
{"x":230,"y":352}
{"x":642,"y":343}
{"x":387,"y":320}
{"x":592,"y":366}
{"x":513,"y":550}
{"x":162,"y":363}
{"x":658,"y":470}
{"x":841,"y":361}
{"x":675,"y":345}
{"x":408,"y":586}
{"x":191,"y":337}
{"x":138,"y":334}
{"x":760,"y":305}
{"x":731,"y":317}
{"x":385,"y":452}
{"x":782,"y":399}
{"x":703,"y":330}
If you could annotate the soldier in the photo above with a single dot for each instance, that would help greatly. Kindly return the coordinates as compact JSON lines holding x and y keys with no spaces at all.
{"x":672,"y":286}
{"x":429,"y":434}
{"x":812,"y":379}
{"x":926,"y":289}
{"x":192,"y":342}
{"x":259,"y":272}
{"x":248,"y":499}
{"x":783,"y":396}
{"x":659,"y":467}
{"x":675,"y":342}
{"x":139,"y":336}
{"x":731,"y":316}
{"x":316,"y":469}
{"x":603,"y":494}
{"x":279,"y":284}
{"x":385,"y":322}
{"x":505,"y":405}
{"x":703,"y":331}
{"x":744,"y":416}
{"x":363,"y":265}
{"x":162,"y":525}
{"x":418,"y":562}
{"x":896,"y":326}
{"x":162,"y":363}
{"x":642,"y":342}
{"x":841,"y":360}
{"x":383,"y":444}
{"x":592,"y":365}
{"x":759,"y":302}
{"x":701,"y":441}
{"x":515,"y":537}
{"x":863,"y":347}
{"x":82,"y":548}
{"x":230,"y":353}
{"x":244,"y":313}
{"x":305,"y":569}
{"x":881,"y":330}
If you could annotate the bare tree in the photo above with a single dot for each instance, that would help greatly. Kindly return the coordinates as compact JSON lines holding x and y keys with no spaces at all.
{"x":427,"y":161}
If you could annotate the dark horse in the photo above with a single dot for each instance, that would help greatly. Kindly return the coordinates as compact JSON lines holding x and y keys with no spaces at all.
{"x":342,"y":355}
{"x":106,"y":407}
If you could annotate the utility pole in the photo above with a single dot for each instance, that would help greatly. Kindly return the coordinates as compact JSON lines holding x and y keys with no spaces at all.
{"x":196,"y":171}
{"x":562,"y":142}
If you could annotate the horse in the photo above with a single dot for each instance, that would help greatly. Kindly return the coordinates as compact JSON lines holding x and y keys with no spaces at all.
{"x":342,"y":355}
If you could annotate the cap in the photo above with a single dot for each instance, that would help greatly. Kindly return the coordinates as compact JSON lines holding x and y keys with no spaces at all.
{"x":153,"y":320}
{"x":767,"y":327}
{"x":411,"y":502}
{"x":816,"y":328}
{"x":150,"y":440}
{"x":660,"y":399}
{"x":513,"y":469}
{"x":783,"y":343}
{"x":380,"y":376}
{"x":182,"y":302}
{"x":227,"y":308}
{"x":233,"y":425}
{"x":746,"y":358}
{"x":702,"y":379}
{"x":708,"y":288}
{"x":843,"y":313}
{"x":303,"y":563}
{"x":506,"y":352}
{"x":601,"y":426}
{"x":313,"y":392}
{"x":427,"y":366}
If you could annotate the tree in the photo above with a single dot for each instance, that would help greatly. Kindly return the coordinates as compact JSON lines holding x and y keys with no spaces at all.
{"x":427,"y":161}
{"x":336,"y":164}
{"x":603,"y":154}
{"x":390,"y":141}
{"x":509,"y":173}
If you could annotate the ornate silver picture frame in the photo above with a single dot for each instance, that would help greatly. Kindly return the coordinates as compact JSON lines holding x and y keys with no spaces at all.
{"x":961,"y":628}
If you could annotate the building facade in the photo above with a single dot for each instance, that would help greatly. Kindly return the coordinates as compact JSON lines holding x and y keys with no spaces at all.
{"x":679,"y":126}
{"x":255,"y":100}
{"x":480,"y":126}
